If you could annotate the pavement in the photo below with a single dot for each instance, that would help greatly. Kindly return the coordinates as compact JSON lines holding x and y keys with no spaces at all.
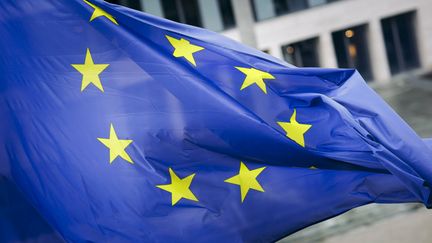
{"x":411,"y":97}
{"x":408,"y":227}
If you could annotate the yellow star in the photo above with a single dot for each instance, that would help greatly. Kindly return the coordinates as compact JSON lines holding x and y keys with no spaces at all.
{"x":116,"y":146}
{"x":98,"y":12}
{"x":295,"y":131}
{"x":90,"y":72}
{"x":183,"y":48}
{"x":246,"y":179}
{"x":179,"y":188}
{"x":255,"y":76}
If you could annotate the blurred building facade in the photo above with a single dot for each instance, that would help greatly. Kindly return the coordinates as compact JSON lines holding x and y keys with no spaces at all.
{"x":379,"y":38}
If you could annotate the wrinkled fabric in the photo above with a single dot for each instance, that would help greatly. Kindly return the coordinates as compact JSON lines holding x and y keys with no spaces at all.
{"x":193,"y":119}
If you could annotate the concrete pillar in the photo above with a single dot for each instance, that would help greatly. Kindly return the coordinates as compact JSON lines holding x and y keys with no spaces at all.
{"x":327,"y":54}
{"x":244,"y":18}
{"x":378,"y":56}
{"x":424,"y":34}
{"x":276,"y":51}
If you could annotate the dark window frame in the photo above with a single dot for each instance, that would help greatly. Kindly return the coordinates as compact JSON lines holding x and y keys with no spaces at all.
{"x":282,"y":13}
{"x":356,"y":37}
{"x":301,"y":49}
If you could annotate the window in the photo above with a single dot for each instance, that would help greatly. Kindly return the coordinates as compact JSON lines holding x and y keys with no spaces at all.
{"x":114,"y":1}
{"x":302,"y":54}
{"x":226,"y":11}
{"x":401,"y":43}
{"x":351,"y":46}
{"x":265,"y":9}
{"x":216,"y":15}
{"x":128,"y":3}
{"x":183,"y":11}
{"x":287,"y":6}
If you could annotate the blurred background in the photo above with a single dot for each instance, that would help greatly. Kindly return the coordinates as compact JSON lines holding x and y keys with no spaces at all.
{"x":388,"y":41}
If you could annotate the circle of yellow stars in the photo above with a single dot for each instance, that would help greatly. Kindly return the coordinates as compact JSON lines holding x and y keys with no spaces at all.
{"x":246,"y":179}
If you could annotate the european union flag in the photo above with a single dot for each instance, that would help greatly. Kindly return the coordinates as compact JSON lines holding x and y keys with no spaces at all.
{"x":117,"y":126}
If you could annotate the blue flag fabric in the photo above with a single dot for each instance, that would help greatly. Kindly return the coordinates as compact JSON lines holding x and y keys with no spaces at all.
{"x":119,"y":126}
{"x":19,"y":221}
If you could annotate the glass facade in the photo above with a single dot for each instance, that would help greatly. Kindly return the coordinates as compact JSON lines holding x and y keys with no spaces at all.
{"x":352,"y":51}
{"x":216,"y":15}
{"x":302,"y":54}
{"x":183,"y":11}
{"x":400,"y":41}
{"x":265,"y":9}
{"x":227,"y":13}
{"x":130,"y":3}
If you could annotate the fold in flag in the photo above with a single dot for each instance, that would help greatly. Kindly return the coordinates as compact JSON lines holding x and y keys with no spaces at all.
{"x":117,"y":126}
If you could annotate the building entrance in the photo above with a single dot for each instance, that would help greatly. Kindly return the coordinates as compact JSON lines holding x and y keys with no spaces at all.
{"x":351,"y":46}
{"x":401,"y":42}
{"x":302,"y":54}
